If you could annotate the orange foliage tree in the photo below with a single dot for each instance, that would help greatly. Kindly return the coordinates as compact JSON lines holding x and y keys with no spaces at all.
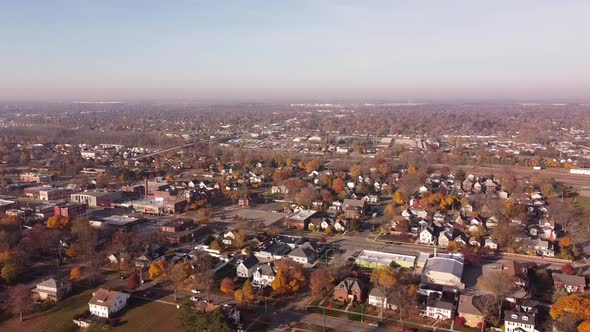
{"x":227,"y":286}
{"x":290,"y":277}
{"x":575,"y":304}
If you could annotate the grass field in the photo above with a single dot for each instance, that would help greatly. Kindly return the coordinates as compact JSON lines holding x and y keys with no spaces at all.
{"x":140,"y":315}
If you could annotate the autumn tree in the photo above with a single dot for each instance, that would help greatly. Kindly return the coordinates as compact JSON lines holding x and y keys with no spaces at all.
{"x":19,"y":299}
{"x":245,"y":295}
{"x":58,"y":222}
{"x":290,"y":277}
{"x":227,"y":285}
{"x":355,"y":171}
{"x":313,"y":165}
{"x":568,"y":269}
{"x":321,"y":280}
{"x":179,"y":273}
{"x":157,"y":269}
{"x":132,"y":281}
{"x":575,"y":304}
{"x":496,"y":283}
{"x":389,"y":210}
{"x":399,"y":197}
{"x":203,"y":274}
{"x":338,"y":185}
{"x":75,"y":274}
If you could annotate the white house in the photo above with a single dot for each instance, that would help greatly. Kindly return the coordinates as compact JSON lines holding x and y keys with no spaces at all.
{"x":379,"y":300}
{"x":517,"y":321}
{"x":427,"y":236}
{"x":104,"y":302}
{"x":438,"y":309}
{"x":490,"y":244}
{"x":247,"y":267}
{"x":264,"y":275}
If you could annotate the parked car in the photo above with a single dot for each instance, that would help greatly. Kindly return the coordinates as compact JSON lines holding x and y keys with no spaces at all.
{"x":195,"y":298}
{"x":195,"y":291}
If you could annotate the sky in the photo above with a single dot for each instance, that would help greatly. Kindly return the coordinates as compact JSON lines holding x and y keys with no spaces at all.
{"x":294,"y":49}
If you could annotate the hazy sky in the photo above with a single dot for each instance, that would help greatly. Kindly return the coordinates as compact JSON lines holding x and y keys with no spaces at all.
{"x":117,"y":49}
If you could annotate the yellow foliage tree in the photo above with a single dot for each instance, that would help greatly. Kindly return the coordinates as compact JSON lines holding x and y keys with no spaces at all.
{"x":565,"y":242}
{"x":157,"y":269}
{"x":385,"y":277}
{"x":75,"y":274}
{"x":584,"y":326}
{"x":411,"y":170}
{"x":389,"y":209}
{"x":398,"y":197}
{"x":575,"y":304}
{"x":290,"y":277}
{"x":312,"y":166}
{"x":58,"y":222}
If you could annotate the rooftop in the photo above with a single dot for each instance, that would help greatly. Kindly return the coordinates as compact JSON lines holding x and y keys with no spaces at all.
{"x":384,"y":257}
{"x":301,"y":214}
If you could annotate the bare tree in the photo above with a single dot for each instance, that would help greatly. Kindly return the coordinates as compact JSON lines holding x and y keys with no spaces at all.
{"x":19,"y":299}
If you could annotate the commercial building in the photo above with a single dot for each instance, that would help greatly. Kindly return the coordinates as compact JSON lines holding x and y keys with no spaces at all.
{"x":97,"y":198}
{"x":375,"y":259}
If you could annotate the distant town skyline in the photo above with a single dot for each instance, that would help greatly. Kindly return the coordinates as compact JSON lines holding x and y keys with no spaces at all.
{"x":294,"y":50}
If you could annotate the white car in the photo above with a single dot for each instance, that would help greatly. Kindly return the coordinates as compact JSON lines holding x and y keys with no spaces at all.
{"x":195,"y":291}
{"x":196,"y":299}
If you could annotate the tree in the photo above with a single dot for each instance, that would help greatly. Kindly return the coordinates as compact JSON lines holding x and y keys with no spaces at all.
{"x":313,"y":165}
{"x":157,"y":269}
{"x":355,"y":171}
{"x":389,"y":209}
{"x":58,"y":222}
{"x":584,"y":326}
{"x":399,"y":197}
{"x":496,"y":283}
{"x":179,"y":273}
{"x":338,"y":185}
{"x":245,"y":295}
{"x":196,"y":321}
{"x":132,"y":281}
{"x":290,"y":277}
{"x":227,"y":285}
{"x":216,"y":245}
{"x":385,"y":277}
{"x":568,"y":269}
{"x":575,"y":304}
{"x":75,"y":274}
{"x":203,"y":274}
{"x":320,"y":280}
{"x":19,"y":299}
{"x":9,"y":271}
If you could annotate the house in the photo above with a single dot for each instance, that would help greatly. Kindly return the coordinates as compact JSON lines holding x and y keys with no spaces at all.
{"x":300,"y":219}
{"x":354,"y":208}
{"x":490,"y":244}
{"x":105,"y":303}
{"x":445,"y":270}
{"x":438,"y":308}
{"x":571,"y":283}
{"x":229,"y":238}
{"x":469,"y":309}
{"x":377,"y":298}
{"x":272,"y":250}
{"x":349,"y":290}
{"x":428,"y":236}
{"x":53,"y":289}
{"x":304,"y":254}
{"x":543,"y":248}
{"x":247,"y":267}
{"x":264,"y":275}
{"x":519,"y":321}
{"x":516,"y":271}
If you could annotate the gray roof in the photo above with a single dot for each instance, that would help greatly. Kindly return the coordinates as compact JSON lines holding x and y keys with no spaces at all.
{"x":438,"y":303}
{"x":466,"y":305}
{"x":250,"y":262}
{"x":266,"y":269}
{"x":452,"y":264}
{"x":302,"y":252}
{"x":569,"y":279}
{"x":519,"y":317}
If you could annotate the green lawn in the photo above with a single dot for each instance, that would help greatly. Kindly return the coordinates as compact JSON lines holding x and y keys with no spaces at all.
{"x":145,"y":316}
{"x":56,"y":319}
{"x":139,"y":316}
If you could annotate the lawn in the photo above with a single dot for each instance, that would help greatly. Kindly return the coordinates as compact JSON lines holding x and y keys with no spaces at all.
{"x":139,"y":316}
{"x":582,"y":201}
{"x":145,"y":315}
{"x":58,"y":318}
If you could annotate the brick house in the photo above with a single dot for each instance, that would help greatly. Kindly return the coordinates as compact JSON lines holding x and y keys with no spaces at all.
{"x":349,"y":290}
